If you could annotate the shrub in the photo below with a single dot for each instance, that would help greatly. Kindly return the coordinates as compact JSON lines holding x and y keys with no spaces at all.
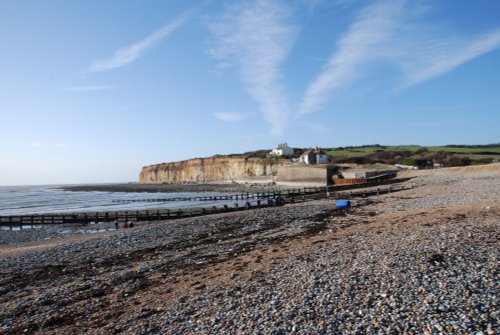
{"x":389,"y":157}
{"x":409,"y":162}
{"x":458,"y":161}
{"x":352,"y":160}
{"x":422,"y":151}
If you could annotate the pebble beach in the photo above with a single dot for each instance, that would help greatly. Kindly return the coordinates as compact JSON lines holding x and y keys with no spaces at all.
{"x":419,"y":261}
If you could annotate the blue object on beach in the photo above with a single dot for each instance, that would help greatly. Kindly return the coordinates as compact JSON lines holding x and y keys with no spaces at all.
{"x":342,"y":204}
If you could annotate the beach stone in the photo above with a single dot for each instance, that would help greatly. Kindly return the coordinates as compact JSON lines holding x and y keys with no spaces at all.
{"x":433,"y":274}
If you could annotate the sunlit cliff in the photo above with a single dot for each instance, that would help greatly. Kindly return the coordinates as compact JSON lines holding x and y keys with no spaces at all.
{"x":210,"y":169}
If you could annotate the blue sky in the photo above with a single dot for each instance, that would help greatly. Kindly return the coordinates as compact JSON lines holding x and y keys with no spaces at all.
{"x":91,"y":91}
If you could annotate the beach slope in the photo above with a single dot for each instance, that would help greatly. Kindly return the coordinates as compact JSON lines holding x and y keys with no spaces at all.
{"x":419,"y":261}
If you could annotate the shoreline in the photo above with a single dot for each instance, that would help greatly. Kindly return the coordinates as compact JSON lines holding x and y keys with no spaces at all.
{"x":173,"y":188}
{"x":421,"y":260}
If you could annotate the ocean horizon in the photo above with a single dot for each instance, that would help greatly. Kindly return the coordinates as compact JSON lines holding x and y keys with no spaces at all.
{"x":45,"y":199}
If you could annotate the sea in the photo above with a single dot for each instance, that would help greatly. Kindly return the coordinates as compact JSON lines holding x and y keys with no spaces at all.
{"x":25,"y":200}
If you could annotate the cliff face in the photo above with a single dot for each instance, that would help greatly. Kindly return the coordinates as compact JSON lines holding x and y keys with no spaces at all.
{"x":210,"y":169}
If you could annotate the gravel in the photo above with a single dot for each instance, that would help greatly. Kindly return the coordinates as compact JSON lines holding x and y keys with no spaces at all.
{"x":421,"y":261}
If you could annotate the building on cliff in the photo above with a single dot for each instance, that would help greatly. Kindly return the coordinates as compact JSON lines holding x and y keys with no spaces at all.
{"x":316,"y":156}
{"x":281,"y":150}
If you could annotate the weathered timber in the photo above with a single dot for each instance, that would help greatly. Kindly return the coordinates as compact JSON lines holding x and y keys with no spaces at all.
{"x":288,"y":196}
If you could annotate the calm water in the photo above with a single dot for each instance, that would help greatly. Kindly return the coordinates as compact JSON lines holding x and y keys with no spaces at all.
{"x":16,"y":200}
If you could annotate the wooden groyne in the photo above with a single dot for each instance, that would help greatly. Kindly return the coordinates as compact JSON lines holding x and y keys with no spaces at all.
{"x":271,"y":199}
{"x":245,"y":196}
{"x":271,"y":194}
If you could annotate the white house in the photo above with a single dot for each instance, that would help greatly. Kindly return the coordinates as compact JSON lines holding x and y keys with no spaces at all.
{"x":316,"y":156}
{"x":282,"y":150}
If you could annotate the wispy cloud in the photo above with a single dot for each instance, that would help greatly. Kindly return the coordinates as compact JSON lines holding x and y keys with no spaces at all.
{"x":311,"y":5}
{"x":88,"y":88}
{"x":317,"y":128}
{"x":129,"y":54}
{"x":392,"y":31}
{"x":256,"y":38}
{"x":232,"y":117}
{"x":432,"y":59}
{"x":36,"y":144}
{"x":477,"y":106}
{"x":246,"y":137}
{"x":373,"y":27}
{"x":39,"y":145}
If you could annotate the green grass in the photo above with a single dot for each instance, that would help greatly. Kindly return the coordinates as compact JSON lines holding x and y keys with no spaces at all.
{"x":464,"y":150}
{"x":354,"y":152}
{"x":473,"y":153}
{"x":404,"y":148}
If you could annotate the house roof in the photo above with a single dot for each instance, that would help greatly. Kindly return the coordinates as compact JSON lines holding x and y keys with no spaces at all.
{"x":315,"y":152}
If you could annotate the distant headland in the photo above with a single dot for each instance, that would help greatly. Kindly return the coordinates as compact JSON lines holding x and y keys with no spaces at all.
{"x":263,"y":166}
